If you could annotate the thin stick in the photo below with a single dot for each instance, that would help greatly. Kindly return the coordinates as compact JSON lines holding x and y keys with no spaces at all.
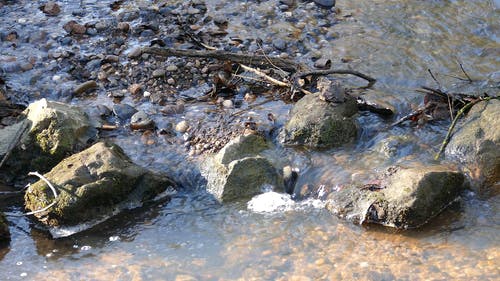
{"x":370,"y":79}
{"x":51,"y":188}
{"x":463,"y":70}
{"x":412,"y":114}
{"x":265,"y":76}
{"x":434,"y":77}
{"x":250,"y":59}
{"x":454,"y":122}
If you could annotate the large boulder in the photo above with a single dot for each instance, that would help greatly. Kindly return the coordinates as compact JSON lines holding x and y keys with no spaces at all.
{"x":50,"y":132}
{"x":93,"y":184}
{"x":477,"y":141}
{"x":404,"y":198}
{"x":320,"y":124}
{"x":239,"y":170}
{"x":4,"y":229}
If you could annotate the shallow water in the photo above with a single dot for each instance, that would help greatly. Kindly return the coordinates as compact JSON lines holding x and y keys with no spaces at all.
{"x":194,"y":238}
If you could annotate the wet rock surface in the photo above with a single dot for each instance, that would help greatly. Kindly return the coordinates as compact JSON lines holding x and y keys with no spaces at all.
{"x":477,"y":141}
{"x":93,"y":184}
{"x":4,"y":230}
{"x":238,"y":171}
{"x":50,"y":132}
{"x":319,"y":124}
{"x":403,"y":198}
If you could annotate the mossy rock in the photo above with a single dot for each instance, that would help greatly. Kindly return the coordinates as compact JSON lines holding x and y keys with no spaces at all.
{"x":55,"y":131}
{"x":97,"y":182}
{"x":319,"y":124}
{"x":239,"y":171}
{"x":408,"y":198}
{"x":476,"y":142}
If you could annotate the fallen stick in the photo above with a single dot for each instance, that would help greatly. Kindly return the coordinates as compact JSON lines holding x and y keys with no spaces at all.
{"x":248,"y":59}
{"x":370,"y":79}
{"x":51,"y":188}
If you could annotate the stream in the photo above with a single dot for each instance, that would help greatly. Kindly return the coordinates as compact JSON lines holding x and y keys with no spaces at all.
{"x":193,"y":237}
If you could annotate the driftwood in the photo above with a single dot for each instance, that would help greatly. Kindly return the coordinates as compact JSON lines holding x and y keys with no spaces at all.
{"x":297,"y":70}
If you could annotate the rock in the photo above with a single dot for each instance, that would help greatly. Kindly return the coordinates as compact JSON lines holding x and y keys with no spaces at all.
{"x":141,"y":121}
{"x":476,"y":141}
{"x":239,"y":172}
{"x":171,"y":109}
{"x":228,"y":104}
{"x":331,"y":91}
{"x":159,"y":73}
{"x":323,"y":63}
{"x":4,"y":229}
{"x":124,"y":111}
{"x":325,"y":3}
{"x":135,"y":89}
{"x":51,"y":8}
{"x":172,"y":68}
{"x":54,"y":131}
{"x":72,"y":27}
{"x":279,"y":44}
{"x":405,"y":198}
{"x":318,"y":124}
{"x":135,"y":53}
{"x":182,"y":126}
{"x":123,"y":26}
{"x":84,"y":87}
{"x":93,"y":185}
{"x":379,"y":102}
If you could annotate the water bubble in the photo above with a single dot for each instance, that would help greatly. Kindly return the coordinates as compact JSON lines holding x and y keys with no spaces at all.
{"x":24,"y":274}
{"x":19,"y":263}
{"x":85,"y":248}
{"x":114,"y":238}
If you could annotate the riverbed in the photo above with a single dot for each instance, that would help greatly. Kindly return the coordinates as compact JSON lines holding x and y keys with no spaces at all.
{"x":193,"y":237}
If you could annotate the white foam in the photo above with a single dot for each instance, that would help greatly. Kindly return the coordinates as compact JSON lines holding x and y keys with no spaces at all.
{"x":270,"y":202}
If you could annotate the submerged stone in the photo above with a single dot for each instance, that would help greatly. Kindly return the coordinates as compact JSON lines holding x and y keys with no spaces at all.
{"x":93,"y":184}
{"x":476,"y":142}
{"x":407,"y":198}
{"x":320,"y":124}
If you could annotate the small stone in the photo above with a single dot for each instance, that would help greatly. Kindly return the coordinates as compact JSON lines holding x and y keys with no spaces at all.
{"x":171,"y":81}
{"x":101,"y":26}
{"x":123,"y":26}
{"x":172,"y":68}
{"x":172,"y":109}
{"x":159,"y":73}
{"x":323,"y":63}
{"x":123,"y":111}
{"x":51,"y":9}
{"x":279,"y":44}
{"x":72,"y":27}
{"x":146,"y":94}
{"x":135,"y":89}
{"x":84,"y":87}
{"x":141,"y":121}
{"x":182,"y":126}
{"x":135,"y":53}
{"x":193,"y":11}
{"x":227,"y":104}
{"x":325,"y":3}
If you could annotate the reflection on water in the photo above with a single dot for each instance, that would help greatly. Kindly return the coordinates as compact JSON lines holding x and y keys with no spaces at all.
{"x":195,"y":238}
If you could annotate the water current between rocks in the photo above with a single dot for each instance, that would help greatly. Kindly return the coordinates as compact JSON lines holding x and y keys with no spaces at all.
{"x":195,"y":238}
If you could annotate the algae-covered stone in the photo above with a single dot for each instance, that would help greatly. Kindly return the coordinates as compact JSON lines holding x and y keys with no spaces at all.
{"x":55,"y":130}
{"x":93,"y":184}
{"x":408,"y":198}
{"x":320,"y":124}
{"x":4,"y":229}
{"x":477,"y":140}
{"x":238,"y":171}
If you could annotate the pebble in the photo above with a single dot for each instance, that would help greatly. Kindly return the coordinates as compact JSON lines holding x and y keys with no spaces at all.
{"x":51,"y":9}
{"x":72,"y":27}
{"x":182,"y":126}
{"x":171,"y":81}
{"x":325,"y":3}
{"x":158,"y":73}
{"x":279,"y":44}
{"x":227,"y":104}
{"x":84,"y":87}
{"x":123,"y":26}
{"x":141,"y":121}
{"x":135,"y":53}
{"x":124,"y":111}
{"x":135,"y":89}
{"x":171,"y":109}
{"x":172,"y":68}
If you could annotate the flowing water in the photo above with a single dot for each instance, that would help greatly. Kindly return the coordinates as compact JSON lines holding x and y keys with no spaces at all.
{"x":193,"y":237}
